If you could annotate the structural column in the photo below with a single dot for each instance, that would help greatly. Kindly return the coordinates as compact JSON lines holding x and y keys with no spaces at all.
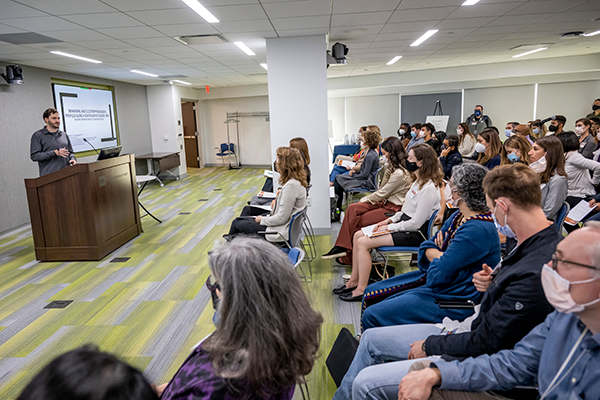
{"x":298,"y":108}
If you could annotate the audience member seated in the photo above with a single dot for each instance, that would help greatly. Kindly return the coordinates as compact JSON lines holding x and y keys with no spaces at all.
{"x":407,"y":227}
{"x":267,"y":335}
{"x":450,"y":156}
{"x":510,"y":128}
{"x":87,"y":373}
{"x":548,"y":159}
{"x":363,"y":179}
{"x":537,"y":130}
{"x":466,"y":143}
{"x":557,"y":125}
{"x":440,"y":136}
{"x":290,"y":200}
{"x":515,"y":149}
{"x":357,"y":158}
{"x":524,"y":131}
{"x":488,"y":148}
{"x":404,"y":133}
{"x":595,"y":109}
{"x":559,"y":357}
{"x":581,"y":185}
{"x":415,"y":134}
{"x":513,"y":301}
{"x":296,"y":143}
{"x":478,"y":122}
{"x":587,"y":141}
{"x":372,"y":208}
{"x":427,"y":133}
{"x":447,"y":262}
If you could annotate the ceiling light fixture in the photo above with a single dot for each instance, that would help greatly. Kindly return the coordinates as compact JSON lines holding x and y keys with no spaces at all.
{"x":201,"y":11}
{"x":264,"y":65}
{"x":530,"y":52}
{"x":470,"y":3}
{"x":60,"y":53}
{"x":144,"y":73}
{"x":591,"y":34}
{"x":393,"y":60}
{"x":183,"y":82}
{"x":425,"y":36}
{"x":244,"y":48}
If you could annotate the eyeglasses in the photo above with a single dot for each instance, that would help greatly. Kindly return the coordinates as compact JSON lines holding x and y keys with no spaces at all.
{"x":212,"y":288}
{"x":556,"y":260}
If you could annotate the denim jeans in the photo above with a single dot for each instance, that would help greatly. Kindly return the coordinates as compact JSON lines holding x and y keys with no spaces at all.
{"x":379,"y":345}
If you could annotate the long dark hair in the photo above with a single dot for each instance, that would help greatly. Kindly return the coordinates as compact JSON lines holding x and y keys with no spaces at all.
{"x":396,"y":153}
{"x":555,"y":157}
{"x":268,"y":336}
{"x":290,"y":164}
{"x":491,"y":136}
{"x":430,"y":170}
{"x":466,"y":131}
{"x":87,"y":373}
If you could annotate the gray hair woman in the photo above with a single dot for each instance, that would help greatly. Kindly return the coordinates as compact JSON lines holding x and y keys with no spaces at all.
{"x":267,"y":337}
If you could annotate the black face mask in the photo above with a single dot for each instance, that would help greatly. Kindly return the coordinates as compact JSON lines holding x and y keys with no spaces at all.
{"x":553,"y":128}
{"x":275,"y":165}
{"x":595,"y":107}
{"x":411,"y":166}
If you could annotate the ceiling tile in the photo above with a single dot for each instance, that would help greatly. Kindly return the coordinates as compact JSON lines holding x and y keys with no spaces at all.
{"x":244,"y":26}
{"x":41,"y":24}
{"x":65,"y":7}
{"x":167,"y":17}
{"x":483,"y":10}
{"x":131,"y":33}
{"x":142,"y":5}
{"x":410,"y":4}
{"x":354,"y":6}
{"x":539,"y":7}
{"x":301,"y":22}
{"x":149,"y":43}
{"x":298,"y":8}
{"x":10,"y":10}
{"x":413,"y":27}
{"x":104,"y":20}
{"x":464,"y":23}
{"x":186,"y":29}
{"x":367,"y":18}
{"x":303,"y":32}
{"x":422,"y":14}
{"x":238,"y":12}
{"x":10,"y":29}
{"x":80,"y":35}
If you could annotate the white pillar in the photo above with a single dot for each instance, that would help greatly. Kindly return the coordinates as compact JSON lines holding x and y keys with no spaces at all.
{"x":298,"y":108}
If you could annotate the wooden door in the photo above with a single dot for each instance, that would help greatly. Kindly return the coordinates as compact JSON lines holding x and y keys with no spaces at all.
{"x":189,"y":135}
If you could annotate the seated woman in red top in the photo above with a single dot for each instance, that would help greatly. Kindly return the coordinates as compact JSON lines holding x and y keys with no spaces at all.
{"x":267,"y":334}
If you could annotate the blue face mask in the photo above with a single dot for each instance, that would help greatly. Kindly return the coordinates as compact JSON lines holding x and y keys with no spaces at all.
{"x":508,"y":132}
{"x":477,"y":113}
{"x":536,"y":131}
{"x":216,"y":318}
{"x":503,"y":229}
{"x":413,"y":134}
{"x":513,"y":157}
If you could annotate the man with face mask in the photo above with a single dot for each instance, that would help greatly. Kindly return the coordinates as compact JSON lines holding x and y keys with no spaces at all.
{"x":556,"y":125}
{"x":477,"y":122}
{"x":561,"y":355}
{"x":595,"y":109}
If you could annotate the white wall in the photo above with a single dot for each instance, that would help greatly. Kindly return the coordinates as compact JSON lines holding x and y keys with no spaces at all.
{"x":381,"y":110}
{"x":572,"y":99}
{"x":255,"y":137}
{"x":502,"y":104}
{"x":336,"y":112}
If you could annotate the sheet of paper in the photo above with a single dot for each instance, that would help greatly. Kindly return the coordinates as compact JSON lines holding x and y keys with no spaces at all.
{"x":267,"y":195}
{"x":268,"y":173}
{"x":331,"y":192}
{"x":579,"y":212}
{"x":344,"y":163}
{"x":263,"y":207}
{"x":368,"y":231}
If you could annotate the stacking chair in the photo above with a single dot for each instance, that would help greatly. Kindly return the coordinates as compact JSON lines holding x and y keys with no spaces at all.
{"x":375,"y":186}
{"x":561,"y":216}
{"x":400,"y":252}
{"x":226,"y":150}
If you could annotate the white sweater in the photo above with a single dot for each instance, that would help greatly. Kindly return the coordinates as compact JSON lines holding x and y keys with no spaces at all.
{"x":291,"y":199}
{"x":578,"y":170}
{"x":419,"y":205}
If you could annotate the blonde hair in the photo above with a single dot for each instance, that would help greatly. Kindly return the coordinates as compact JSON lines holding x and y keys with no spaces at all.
{"x":290,"y":165}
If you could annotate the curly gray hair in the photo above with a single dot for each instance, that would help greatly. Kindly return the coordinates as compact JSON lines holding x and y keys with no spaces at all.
{"x":467,"y":180}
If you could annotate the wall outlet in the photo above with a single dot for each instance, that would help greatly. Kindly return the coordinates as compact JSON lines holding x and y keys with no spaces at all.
{"x":166,"y":137}
{"x":308,"y":202}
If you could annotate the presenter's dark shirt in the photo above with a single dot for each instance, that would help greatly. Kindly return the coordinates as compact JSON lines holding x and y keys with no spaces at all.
{"x":43,"y":144}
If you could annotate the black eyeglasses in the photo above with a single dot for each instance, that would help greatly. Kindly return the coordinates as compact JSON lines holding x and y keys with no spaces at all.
{"x":212,"y":288}
{"x":556,"y":260}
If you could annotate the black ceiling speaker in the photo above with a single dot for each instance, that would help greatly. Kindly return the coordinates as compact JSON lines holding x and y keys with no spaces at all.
{"x":339,"y":52}
{"x":14,"y":75}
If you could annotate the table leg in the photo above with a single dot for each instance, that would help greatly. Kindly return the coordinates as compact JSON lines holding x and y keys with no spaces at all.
{"x":141,"y":205}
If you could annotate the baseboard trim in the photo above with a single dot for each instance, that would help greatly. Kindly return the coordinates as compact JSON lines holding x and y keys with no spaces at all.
{"x":322,"y":231}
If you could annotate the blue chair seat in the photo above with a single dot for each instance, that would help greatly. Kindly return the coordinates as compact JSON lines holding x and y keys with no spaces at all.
{"x":399,"y":249}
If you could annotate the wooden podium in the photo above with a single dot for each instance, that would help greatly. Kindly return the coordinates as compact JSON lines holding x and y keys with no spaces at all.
{"x":85,"y":211}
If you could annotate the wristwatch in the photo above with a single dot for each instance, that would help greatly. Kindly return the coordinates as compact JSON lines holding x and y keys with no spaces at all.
{"x":423,"y":348}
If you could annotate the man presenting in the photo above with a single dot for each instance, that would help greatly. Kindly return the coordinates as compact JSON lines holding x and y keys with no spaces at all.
{"x":50,"y":146}
{"x":561,"y":355}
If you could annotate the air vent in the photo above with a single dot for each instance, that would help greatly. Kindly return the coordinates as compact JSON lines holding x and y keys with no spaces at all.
{"x":571,"y":35}
{"x":171,"y":77}
{"x":527,"y":47}
{"x":202,"y":39}
{"x":27,"y":38}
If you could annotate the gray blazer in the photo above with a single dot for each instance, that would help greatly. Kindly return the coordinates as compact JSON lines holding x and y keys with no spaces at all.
{"x":291,"y":199}
{"x":554,"y":194}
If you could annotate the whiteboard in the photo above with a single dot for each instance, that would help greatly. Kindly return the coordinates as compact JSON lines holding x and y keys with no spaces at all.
{"x":439,"y":121}
{"x":86,"y":113}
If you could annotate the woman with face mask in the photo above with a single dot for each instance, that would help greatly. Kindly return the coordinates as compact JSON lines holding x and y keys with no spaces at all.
{"x":415,"y":134}
{"x":407,"y":227}
{"x":587,"y":142}
{"x":466,"y":140}
{"x":488,"y":148}
{"x":537,"y":131}
{"x":515,"y":149}
{"x":446,"y":262}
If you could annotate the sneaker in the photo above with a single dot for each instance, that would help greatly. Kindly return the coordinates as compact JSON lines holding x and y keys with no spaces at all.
{"x":334,"y":252}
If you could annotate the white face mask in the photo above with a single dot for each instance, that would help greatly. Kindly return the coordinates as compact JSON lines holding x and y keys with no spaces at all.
{"x":580,"y":130}
{"x":503,"y":229}
{"x":383,"y":160}
{"x":401,"y":131}
{"x":459,"y":131}
{"x":363,"y":145}
{"x":421,"y":134}
{"x":598,"y":135}
{"x":556,"y":289}
{"x":539,"y":166}
{"x":480,"y":148}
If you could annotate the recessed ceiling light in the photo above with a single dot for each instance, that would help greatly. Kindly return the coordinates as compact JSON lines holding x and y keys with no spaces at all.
{"x":530,"y":52}
{"x":60,"y":53}
{"x":183,"y":82}
{"x":393,"y":60}
{"x":425,"y":36}
{"x":470,"y":2}
{"x":264,"y":65}
{"x":245,"y":48}
{"x":144,"y":73}
{"x":201,"y":11}
{"x":592,"y":34}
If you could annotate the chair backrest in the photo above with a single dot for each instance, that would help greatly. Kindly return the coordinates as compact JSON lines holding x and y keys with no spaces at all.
{"x":431,"y":226}
{"x":296,"y":255}
{"x":379,"y":176}
{"x":224,"y":147}
{"x":561,"y":216}
{"x":295,"y":229}
{"x":231,"y":147}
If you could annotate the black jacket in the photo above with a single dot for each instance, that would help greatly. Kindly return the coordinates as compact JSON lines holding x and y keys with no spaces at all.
{"x":511,"y":307}
{"x":453,"y":158}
